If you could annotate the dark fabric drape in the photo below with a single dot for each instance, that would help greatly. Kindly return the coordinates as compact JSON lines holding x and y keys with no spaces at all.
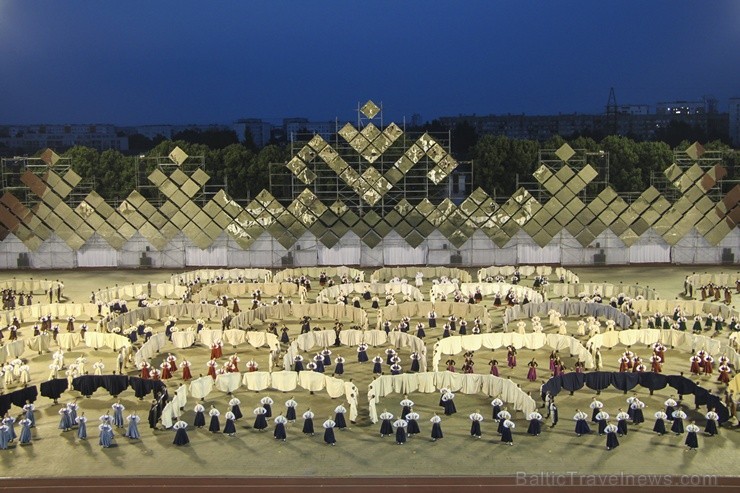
{"x":653,"y":381}
{"x":625,"y":381}
{"x":573,"y":381}
{"x":598,"y":380}
{"x":53,"y":389}
{"x":18,"y":398}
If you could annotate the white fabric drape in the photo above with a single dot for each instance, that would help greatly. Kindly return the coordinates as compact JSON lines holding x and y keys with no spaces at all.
{"x":385,"y":274}
{"x":205,"y":275}
{"x":216,"y":255}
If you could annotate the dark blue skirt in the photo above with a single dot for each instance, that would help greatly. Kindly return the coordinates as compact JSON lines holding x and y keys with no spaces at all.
{"x":260,"y":422}
{"x":362,"y":356}
{"x":691,"y":440}
{"x":400,"y":435}
{"x":582,"y":427}
{"x":611,"y":440}
{"x":432,"y":323}
{"x":237,"y":412}
{"x":659,"y":426}
{"x":339,"y":419}
{"x":339,"y":369}
{"x":308,"y":426}
{"x":280,"y":432}
{"x":377,"y":368}
{"x":298,"y":366}
{"x":181,"y":437}
{"x":437,"y":431}
{"x":200,"y":420}
{"x":413,"y":428}
{"x":496,"y":410}
{"x":637,"y":416}
{"x":677,"y":426}
{"x":711,"y":427}
{"x":414,"y":365}
{"x":602,"y":426}
{"x":421,"y":334}
{"x":622,"y":426}
{"x":215,"y":425}
{"x":475,"y":429}
{"x":230,"y":427}
{"x":290,"y":414}
{"x":506,"y":435}
{"x":535,"y":427}
{"x":386,"y":428}
{"x":449,"y":407}
{"x":268,"y":408}
{"x":329,"y":435}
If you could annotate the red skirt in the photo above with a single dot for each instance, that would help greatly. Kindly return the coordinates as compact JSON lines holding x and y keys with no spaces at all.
{"x":724,"y":377}
{"x":622,"y":366}
{"x":494,"y":370}
{"x":707,"y":367}
{"x":695,"y":367}
{"x":186,"y":373}
{"x":656,"y":367}
{"x":173,"y":366}
{"x":212,"y":371}
{"x":166,"y":373}
{"x":145,"y":373}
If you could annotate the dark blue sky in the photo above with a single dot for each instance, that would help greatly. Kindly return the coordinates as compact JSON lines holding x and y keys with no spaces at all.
{"x":184,"y":61}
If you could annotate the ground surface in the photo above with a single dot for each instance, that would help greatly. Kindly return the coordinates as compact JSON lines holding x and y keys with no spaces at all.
{"x":360,"y":451}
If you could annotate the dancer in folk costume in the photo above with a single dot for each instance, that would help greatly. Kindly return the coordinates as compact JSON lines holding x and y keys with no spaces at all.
{"x":582,"y":427}
{"x":329,"y":432}
{"x":132,"y":431}
{"x":611,"y":437}
{"x":200,"y":418}
{"x":677,"y":426}
{"x":475,"y":429}
{"x":535,"y":423}
{"x":506,"y":432}
{"x":280,"y":433}
{"x":711,"y":427}
{"x":260,"y":418}
{"x":386,"y":428}
{"x":692,"y":440}
{"x":181,"y":435}
{"x":291,"y":406}
{"x":308,"y":422}
{"x":659,"y":426}
{"x":436,"y":428}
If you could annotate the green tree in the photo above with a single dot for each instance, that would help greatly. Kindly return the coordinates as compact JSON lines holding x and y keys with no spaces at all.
{"x":624,"y":175}
{"x":489,"y":156}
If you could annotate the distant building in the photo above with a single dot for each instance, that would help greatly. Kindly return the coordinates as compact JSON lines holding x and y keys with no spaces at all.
{"x":735,"y":121}
{"x":295,"y":127}
{"x":681,"y":108}
{"x":258,"y":129}
{"x":31,"y":138}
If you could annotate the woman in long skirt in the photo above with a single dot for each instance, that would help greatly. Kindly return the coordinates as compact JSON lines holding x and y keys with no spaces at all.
{"x":133,"y":426}
{"x":329,"y":432}
{"x":181,"y":436}
{"x":449,"y":403}
{"x":535,"y":423}
{"x":436,"y":428}
{"x":711,"y":428}
{"x":291,"y":406}
{"x":260,"y":420}
{"x":602,"y":418}
{"x":215,"y":424}
{"x":412,"y":418}
{"x":502,"y":417}
{"x":280,"y":433}
{"x":622,"y":418}
{"x":659,"y":426}
{"x":82,"y":427}
{"x":362,"y":353}
{"x":267,"y":403}
{"x":506,"y":435}
{"x":475,"y":419}
{"x":230,"y":427}
{"x":532,"y":372}
{"x":678,"y":417}
{"x":106,"y":435}
{"x":692,"y":442}
{"x":118,"y":414}
{"x":496,"y":403}
{"x":4,"y":437}
{"x":200,"y":416}
{"x":415,"y":367}
{"x":611,"y":437}
{"x":339,"y":417}
{"x":234,"y":403}
{"x":339,"y":365}
{"x":386,"y":428}
{"x":308,"y":422}
{"x":65,"y":423}
{"x":28,"y":409}
{"x":25,"y":437}
{"x":582,"y":427}
{"x":400,"y":425}
{"x":377,"y":365}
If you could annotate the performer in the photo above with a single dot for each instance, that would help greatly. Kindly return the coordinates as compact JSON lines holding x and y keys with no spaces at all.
{"x":494,"y":367}
{"x":230,"y":427}
{"x":341,"y":423}
{"x":582,"y":427}
{"x":711,"y":427}
{"x":535,"y":423}
{"x":215,"y":425}
{"x":707,"y":363}
{"x":724,"y":374}
{"x":436,"y":427}
{"x":692,"y":442}
{"x":339,"y":366}
{"x":655,"y":363}
{"x":82,"y":427}
{"x":659,"y":426}
{"x":696,"y":362}
{"x":506,"y":435}
{"x":267,"y":403}
{"x":532,"y":373}
{"x":362,"y":353}
{"x":260,"y":420}
{"x":106,"y":435}
{"x":622,"y":418}
{"x":602,"y":418}
{"x":449,"y":403}
{"x":475,"y":419}
{"x":133,"y":428}
{"x":329,"y":432}
{"x":185,"y":365}
{"x":279,"y":433}
{"x":25,"y":436}
{"x":502,"y":416}
{"x":200,"y":418}
{"x":386,"y":428}
{"x":235,"y":409}
{"x":412,"y":418}
{"x":677,"y":426}
{"x":406,"y":405}
{"x":377,"y":365}
{"x":596,"y":407}
{"x":181,"y":435}
{"x":637,"y":415}
{"x":611,"y":437}
{"x":298,"y":363}
{"x":65,"y":423}
{"x":400,"y":425}
{"x":415,"y":368}
{"x":511,"y":357}
{"x":28,"y":410}
{"x":308,"y":422}
{"x":291,"y":405}
{"x":118,"y":414}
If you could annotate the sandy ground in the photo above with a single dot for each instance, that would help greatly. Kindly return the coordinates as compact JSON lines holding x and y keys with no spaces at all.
{"x":361,"y":451}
